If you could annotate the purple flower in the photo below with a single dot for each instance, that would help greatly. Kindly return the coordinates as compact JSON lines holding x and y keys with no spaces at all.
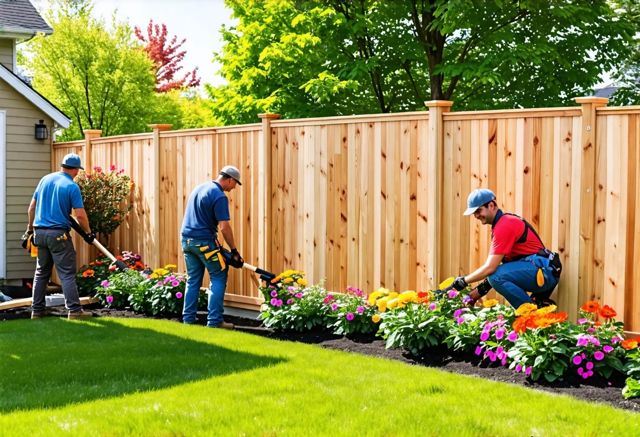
{"x":274,"y":302}
{"x":289,"y":301}
{"x":583,"y":340}
{"x":491,"y":355}
{"x":528,"y":371}
{"x":104,"y":284}
{"x":484,"y":336}
{"x":595,"y":341}
{"x":499,"y":334}
{"x":577,"y":360}
{"x":178,"y":295}
{"x":586,"y":375}
{"x":615,"y":339}
{"x":518,"y":368}
{"x":599,"y":355}
{"x":432,"y":306}
{"x":457,"y":313}
{"x":175,"y":283}
{"x":503,"y":361}
{"x":460,"y":320}
{"x":279,"y":303}
{"x":466,"y":299}
{"x":360,"y":310}
{"x":499,"y":351}
{"x":298,"y":295}
{"x":591,"y":330}
{"x":513,"y":336}
{"x":274,"y":293}
{"x":291,"y":289}
{"x":452,"y":294}
{"x":583,"y":321}
{"x":349,"y":316}
{"x":109,"y":299}
{"x":580,"y":371}
{"x":478,"y":350}
{"x":589,"y":365}
{"x":607,"y":349}
{"x":159,"y":283}
{"x":334,"y":307}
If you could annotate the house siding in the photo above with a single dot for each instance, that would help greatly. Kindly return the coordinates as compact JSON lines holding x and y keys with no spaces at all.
{"x":27,"y":160}
{"x":6,"y":52}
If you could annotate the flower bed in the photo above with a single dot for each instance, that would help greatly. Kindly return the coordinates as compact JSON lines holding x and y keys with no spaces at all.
{"x":537,"y":342}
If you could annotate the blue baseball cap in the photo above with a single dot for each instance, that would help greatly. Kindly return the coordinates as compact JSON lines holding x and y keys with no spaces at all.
{"x":72,"y":160}
{"x":477,"y":198}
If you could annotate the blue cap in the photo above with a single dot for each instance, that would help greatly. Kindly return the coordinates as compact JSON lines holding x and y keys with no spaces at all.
{"x":72,"y":160}
{"x":477,"y":198}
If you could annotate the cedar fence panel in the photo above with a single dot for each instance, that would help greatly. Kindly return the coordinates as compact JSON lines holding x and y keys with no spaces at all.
{"x":377,"y":200}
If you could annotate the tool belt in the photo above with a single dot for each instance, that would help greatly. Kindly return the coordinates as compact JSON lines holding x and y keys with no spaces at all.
{"x":554,"y":261}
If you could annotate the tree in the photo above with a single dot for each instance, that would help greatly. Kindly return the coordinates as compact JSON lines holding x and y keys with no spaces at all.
{"x":101,"y":80}
{"x":628,"y":75}
{"x":313,"y":57}
{"x":166,"y":56}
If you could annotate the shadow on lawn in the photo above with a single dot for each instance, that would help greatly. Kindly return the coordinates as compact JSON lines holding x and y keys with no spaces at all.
{"x":52,"y":363}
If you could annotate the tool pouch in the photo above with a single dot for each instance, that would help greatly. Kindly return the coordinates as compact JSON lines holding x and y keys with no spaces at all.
{"x":552,"y":260}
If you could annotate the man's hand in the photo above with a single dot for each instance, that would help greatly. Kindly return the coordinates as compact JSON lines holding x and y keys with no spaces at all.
{"x":236,"y":260}
{"x":25,"y":239}
{"x":459,"y":283}
{"x":474,"y":295}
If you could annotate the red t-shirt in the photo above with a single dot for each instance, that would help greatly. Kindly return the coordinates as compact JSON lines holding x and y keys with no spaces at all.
{"x":505,"y":235}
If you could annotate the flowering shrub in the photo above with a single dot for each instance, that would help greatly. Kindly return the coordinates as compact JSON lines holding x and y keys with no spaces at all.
{"x":89,"y":276}
{"x":351,"y":312}
{"x":104,"y":196}
{"x":114,"y":292}
{"x":162,"y":293}
{"x":632,"y":368}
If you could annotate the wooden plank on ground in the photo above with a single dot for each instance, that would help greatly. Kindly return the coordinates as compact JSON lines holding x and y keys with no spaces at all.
{"x":21,"y":303}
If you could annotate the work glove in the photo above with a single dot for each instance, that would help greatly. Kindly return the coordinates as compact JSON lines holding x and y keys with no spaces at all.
{"x":90,"y":237}
{"x":236,"y":260}
{"x":459,"y":283}
{"x":26,"y":240}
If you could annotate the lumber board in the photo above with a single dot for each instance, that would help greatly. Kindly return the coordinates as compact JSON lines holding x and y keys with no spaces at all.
{"x":26,"y":302}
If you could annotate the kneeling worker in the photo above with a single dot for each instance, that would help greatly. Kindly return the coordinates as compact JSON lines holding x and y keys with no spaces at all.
{"x":518,"y":261}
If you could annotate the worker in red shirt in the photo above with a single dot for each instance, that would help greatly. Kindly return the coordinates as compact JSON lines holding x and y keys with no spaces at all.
{"x":518,"y":260}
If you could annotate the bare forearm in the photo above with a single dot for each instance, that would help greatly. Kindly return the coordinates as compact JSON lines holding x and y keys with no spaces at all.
{"x":227,"y":233}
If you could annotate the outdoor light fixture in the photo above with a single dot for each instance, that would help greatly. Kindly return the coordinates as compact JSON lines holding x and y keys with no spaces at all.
{"x":42,"y":133}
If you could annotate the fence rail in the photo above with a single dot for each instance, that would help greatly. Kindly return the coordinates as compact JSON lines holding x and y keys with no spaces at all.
{"x":377,"y":200}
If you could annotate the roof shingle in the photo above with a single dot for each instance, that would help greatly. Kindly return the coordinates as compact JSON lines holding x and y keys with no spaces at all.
{"x":19,"y":16}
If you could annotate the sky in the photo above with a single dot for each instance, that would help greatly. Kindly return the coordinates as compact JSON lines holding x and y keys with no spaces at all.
{"x":198,"y":21}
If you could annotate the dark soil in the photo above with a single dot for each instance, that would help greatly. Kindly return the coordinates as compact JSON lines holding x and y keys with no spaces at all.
{"x":595,"y":390}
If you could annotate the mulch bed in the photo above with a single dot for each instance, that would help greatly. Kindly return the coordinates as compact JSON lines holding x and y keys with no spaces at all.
{"x":595,"y":390}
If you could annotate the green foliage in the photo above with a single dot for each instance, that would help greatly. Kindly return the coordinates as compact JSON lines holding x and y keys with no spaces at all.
{"x":90,"y":276}
{"x":302,"y":310}
{"x":415,"y":327}
{"x":632,"y":369}
{"x":184,"y":109}
{"x":350,"y":313}
{"x":115,"y":292}
{"x":105,"y":197}
{"x":311,"y":58}
{"x":627,"y":75}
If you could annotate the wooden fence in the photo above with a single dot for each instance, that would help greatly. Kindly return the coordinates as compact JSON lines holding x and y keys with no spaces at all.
{"x":377,"y":200}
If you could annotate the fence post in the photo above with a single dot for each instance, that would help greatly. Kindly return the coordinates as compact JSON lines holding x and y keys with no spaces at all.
{"x":153,"y":243}
{"x":430,"y":169}
{"x":587,"y":197}
{"x":89,"y":135}
{"x":264,"y":183}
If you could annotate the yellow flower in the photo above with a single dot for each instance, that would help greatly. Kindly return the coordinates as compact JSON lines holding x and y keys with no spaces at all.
{"x":393,"y":294}
{"x":171,"y":267}
{"x":526,"y":309}
{"x":287,"y":280}
{"x":161,"y":272}
{"x":382,"y":304}
{"x":375,"y":318}
{"x":446,"y":283}
{"x":408,"y":296}
{"x":546,"y":310}
{"x":392,"y":303}
{"x":302,"y":282}
{"x":490,"y":303}
{"x":376,"y":295}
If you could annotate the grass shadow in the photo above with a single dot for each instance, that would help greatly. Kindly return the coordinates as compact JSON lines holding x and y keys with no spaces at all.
{"x":51,"y":363}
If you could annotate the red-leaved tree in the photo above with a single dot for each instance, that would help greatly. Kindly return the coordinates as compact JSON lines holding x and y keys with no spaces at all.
{"x":167,"y":56}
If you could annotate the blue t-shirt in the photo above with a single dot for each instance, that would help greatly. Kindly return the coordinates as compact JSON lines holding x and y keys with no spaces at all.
{"x":207,"y":206}
{"x":55,"y":196}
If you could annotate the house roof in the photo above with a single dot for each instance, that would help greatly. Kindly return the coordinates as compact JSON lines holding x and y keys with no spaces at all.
{"x":20,"y":18}
{"x":34,"y":97}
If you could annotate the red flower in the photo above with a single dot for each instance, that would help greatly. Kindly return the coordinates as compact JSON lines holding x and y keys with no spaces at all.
{"x":591,"y":307}
{"x":607,"y":312}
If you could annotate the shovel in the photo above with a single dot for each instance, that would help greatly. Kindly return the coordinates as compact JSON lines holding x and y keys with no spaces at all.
{"x":76,"y":226}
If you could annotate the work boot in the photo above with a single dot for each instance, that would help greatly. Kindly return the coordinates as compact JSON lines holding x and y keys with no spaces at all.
{"x":79,"y":315}
{"x":225,"y":325}
{"x":38,"y":314}
{"x":542,"y":302}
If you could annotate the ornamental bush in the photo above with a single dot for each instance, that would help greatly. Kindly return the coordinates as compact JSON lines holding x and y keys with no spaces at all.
{"x":115,"y":291}
{"x":105,"y":196}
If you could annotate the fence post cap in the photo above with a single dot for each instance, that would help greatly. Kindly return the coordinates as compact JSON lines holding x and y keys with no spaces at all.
{"x":591,"y":99}
{"x":438,"y":103}
{"x":160,"y":126}
{"x":269,"y":116}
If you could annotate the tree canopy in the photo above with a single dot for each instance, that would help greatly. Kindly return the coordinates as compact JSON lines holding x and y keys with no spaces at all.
{"x":325,"y":57}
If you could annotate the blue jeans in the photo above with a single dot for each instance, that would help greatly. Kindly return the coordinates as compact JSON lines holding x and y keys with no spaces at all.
{"x":515,"y":278}
{"x":195,"y":258}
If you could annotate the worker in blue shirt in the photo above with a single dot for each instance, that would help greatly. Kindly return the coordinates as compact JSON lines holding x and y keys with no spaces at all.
{"x":55,"y":197}
{"x":207,"y":212}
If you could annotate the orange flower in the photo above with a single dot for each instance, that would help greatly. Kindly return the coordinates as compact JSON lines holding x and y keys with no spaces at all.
{"x":546,"y":320}
{"x":520,"y":325}
{"x":591,"y":307}
{"x":88,"y":273}
{"x":607,"y":312}
{"x":630,"y":343}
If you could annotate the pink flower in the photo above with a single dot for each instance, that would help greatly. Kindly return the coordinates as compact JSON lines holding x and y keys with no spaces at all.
{"x":528,"y":371}
{"x":104,"y":284}
{"x":360,"y":309}
{"x":279,"y":303}
{"x":452,"y":294}
{"x":112,"y":167}
{"x":518,"y":368}
{"x":499,"y":334}
{"x":457,"y":313}
{"x":178,"y":295}
{"x":583,"y":321}
{"x":478,"y":350}
{"x":589,"y":365}
{"x":607,"y":349}
{"x":513,"y":336}
{"x":334,"y":307}
{"x":599,"y":355}
{"x":109,"y":299}
{"x":97,"y":169}
{"x":289,"y":301}
{"x":615,"y":339}
{"x":580,"y":371}
{"x":503,"y":361}
{"x":175,"y":283}
{"x":432,"y":306}
{"x":349,"y":316}
{"x":577,"y":360}
{"x":298,"y":295}
{"x":460,"y":320}
{"x":484,"y":336}
{"x":274,"y":293}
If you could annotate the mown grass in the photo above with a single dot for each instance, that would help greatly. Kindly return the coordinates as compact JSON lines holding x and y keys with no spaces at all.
{"x":154,"y":377}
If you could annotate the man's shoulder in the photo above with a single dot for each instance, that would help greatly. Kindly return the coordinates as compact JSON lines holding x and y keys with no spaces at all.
{"x":509,"y":222}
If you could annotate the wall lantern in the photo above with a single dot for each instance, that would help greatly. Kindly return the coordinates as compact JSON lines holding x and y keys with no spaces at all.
{"x":42,"y":133}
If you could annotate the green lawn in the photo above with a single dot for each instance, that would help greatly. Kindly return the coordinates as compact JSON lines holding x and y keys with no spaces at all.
{"x":153,"y":377}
